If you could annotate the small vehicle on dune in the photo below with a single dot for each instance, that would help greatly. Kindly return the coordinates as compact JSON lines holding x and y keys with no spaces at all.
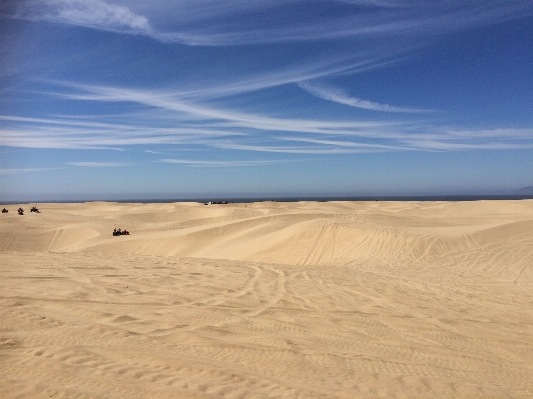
{"x":119,"y":232}
{"x":34,"y":209}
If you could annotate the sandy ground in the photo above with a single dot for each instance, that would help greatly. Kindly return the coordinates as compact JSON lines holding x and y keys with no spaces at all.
{"x":268,"y":300}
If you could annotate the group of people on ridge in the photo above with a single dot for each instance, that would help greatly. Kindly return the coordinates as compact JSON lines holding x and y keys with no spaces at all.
{"x":20,"y":211}
{"x":119,"y":232}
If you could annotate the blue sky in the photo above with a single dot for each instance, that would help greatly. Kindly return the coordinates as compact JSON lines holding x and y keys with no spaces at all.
{"x":125,"y":99}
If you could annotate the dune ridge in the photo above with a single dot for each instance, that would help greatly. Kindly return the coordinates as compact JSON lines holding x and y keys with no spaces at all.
{"x":267,"y":300}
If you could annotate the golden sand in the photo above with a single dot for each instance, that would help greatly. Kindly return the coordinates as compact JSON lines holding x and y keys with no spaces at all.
{"x":268,"y":300}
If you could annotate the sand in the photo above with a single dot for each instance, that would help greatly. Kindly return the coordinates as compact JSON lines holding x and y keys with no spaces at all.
{"x":268,"y":300}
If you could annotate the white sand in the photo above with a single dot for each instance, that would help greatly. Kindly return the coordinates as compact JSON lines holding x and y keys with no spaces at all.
{"x":267,"y":300}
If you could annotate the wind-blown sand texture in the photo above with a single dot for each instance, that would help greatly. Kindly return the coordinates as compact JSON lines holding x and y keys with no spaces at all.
{"x":268,"y":300}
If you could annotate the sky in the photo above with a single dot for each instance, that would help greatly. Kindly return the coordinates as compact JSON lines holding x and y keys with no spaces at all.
{"x":128,"y":99}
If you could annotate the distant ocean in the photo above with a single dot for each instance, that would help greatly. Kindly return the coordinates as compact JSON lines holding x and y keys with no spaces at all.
{"x":328,"y":199}
{"x":455,"y":198}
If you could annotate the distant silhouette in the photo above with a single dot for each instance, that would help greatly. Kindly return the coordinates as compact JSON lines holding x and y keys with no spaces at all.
{"x":34,"y":209}
{"x":5,"y":210}
{"x":21,"y":211}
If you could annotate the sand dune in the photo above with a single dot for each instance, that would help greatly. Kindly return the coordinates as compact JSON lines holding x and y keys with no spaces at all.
{"x":268,"y":300}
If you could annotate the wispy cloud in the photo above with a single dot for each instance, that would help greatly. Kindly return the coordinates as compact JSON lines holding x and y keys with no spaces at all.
{"x":429,"y":145}
{"x":97,"y":14}
{"x":349,"y":144}
{"x":222,"y":118}
{"x":293,"y":149}
{"x":191,"y":122}
{"x":100,"y":164}
{"x":198,"y":163}
{"x":340,"y":96}
{"x":78,"y":133}
{"x":236,"y":22}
